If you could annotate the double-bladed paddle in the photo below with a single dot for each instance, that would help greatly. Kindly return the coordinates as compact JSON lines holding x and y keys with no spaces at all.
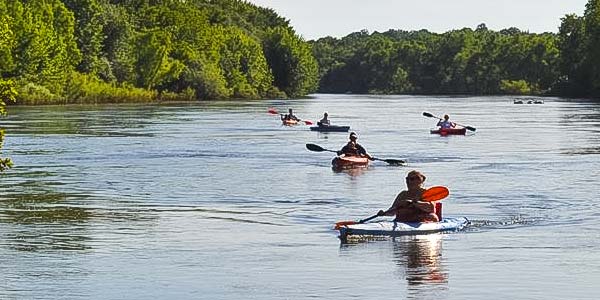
{"x":434,"y":193}
{"x":274,"y":111}
{"x":465,"y":126}
{"x":317,"y":148}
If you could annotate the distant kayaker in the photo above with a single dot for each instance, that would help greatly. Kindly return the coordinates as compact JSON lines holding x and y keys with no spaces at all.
{"x":324,"y":121}
{"x":353,"y":148}
{"x":445,"y":124}
{"x":289,"y":116}
{"x":407,"y":206}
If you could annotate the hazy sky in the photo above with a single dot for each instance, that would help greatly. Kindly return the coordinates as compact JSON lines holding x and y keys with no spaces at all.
{"x":319,"y":18}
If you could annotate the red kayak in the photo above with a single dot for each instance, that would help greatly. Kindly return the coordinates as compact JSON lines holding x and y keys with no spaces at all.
{"x":289,"y":122}
{"x":344,"y":161}
{"x":450,"y":131}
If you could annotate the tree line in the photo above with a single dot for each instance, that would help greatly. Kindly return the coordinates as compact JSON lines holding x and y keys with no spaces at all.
{"x":91,"y":51}
{"x":466,"y":61}
{"x":82,"y":51}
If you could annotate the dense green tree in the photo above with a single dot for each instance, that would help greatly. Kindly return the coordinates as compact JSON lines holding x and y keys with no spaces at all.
{"x":88,"y":32}
{"x":7,"y":42}
{"x":579,"y":42}
{"x":591,"y":19}
{"x":291,"y":60}
{"x":45,"y":50}
{"x":8,"y":93}
{"x":572,"y":57}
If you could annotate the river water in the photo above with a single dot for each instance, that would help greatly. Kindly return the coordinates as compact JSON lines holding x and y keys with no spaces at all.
{"x":219,"y":201}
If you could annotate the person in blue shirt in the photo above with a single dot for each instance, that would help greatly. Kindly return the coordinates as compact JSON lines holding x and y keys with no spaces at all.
{"x":446,"y":124}
{"x":324,"y":121}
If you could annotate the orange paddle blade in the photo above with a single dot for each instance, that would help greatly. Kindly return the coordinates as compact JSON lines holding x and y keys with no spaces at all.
{"x":273,"y":111}
{"x":307,"y":122}
{"x":435,"y":193}
{"x":338,"y":225}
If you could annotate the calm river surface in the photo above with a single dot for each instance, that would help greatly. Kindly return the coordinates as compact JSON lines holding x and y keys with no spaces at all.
{"x":219,"y":201}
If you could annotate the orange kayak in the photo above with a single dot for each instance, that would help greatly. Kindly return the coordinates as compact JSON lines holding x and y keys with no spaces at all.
{"x":449,"y":131}
{"x":344,"y":161}
{"x":289,"y":122}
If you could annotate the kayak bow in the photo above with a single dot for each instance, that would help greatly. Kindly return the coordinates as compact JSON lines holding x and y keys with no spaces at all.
{"x":344,"y":161}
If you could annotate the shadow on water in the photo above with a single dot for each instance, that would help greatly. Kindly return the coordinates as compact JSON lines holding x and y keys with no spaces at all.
{"x":131,"y":120}
{"x":38,"y":221}
{"x":47,"y":221}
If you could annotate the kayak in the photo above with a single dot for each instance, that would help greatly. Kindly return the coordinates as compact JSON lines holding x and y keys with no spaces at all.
{"x":391,"y":228}
{"x":289,"y":122}
{"x":450,"y":131}
{"x":344,"y":161}
{"x":330,"y":128}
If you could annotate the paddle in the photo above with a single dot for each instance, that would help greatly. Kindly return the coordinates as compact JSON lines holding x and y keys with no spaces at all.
{"x":390,"y":161}
{"x":274,"y":111}
{"x":317,"y":148}
{"x":465,"y":126}
{"x":434,"y":193}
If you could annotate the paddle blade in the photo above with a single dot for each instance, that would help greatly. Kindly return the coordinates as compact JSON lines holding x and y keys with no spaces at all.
{"x":470,"y":128}
{"x":435,"y":193}
{"x":307,"y":122}
{"x":273,"y":111}
{"x":340,"y":224}
{"x":395,"y":162}
{"x":313,"y":147}
{"x":428,"y":115}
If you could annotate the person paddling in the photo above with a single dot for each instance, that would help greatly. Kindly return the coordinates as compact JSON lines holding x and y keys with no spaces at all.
{"x":446,"y":124}
{"x":290,"y":116}
{"x":324,"y":121}
{"x":352,"y":148}
{"x":407,"y":206}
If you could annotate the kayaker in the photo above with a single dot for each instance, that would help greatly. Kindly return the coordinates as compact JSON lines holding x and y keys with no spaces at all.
{"x":353,"y":148}
{"x":290,"y":116}
{"x":407,"y":206}
{"x":445,"y":124}
{"x":324,"y":121}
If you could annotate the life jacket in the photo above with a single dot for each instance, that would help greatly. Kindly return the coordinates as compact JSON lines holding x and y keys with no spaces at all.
{"x":445,"y":124}
{"x":352,"y":149}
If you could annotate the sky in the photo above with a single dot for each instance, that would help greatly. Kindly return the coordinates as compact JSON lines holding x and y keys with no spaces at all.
{"x":313,"y":19}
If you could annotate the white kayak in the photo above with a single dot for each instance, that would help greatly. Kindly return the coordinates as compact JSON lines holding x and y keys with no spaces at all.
{"x":391,"y":228}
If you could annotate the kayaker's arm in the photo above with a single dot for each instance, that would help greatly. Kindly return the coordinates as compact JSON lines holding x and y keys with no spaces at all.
{"x":343,"y":150}
{"x":427,"y":207}
{"x":363,"y":151}
{"x":399,"y":202}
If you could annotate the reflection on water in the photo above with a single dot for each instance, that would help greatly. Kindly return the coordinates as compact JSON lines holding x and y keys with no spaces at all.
{"x":353,"y":172}
{"x":584,"y":118}
{"x":419,"y":258}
